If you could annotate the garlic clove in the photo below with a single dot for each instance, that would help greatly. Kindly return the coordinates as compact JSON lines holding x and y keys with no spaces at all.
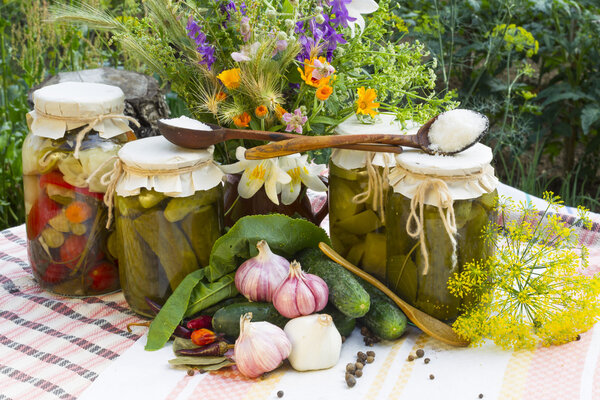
{"x":320,"y":291}
{"x":305,"y":299}
{"x":284,"y":299}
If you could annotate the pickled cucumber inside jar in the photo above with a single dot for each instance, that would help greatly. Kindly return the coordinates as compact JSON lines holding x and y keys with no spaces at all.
{"x":418,"y":268}
{"x":356,"y":228}
{"x":166,"y":222}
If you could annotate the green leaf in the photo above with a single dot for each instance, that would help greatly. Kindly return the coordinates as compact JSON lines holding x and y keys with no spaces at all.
{"x":207,"y":294}
{"x":325,"y":120}
{"x":172,"y":312}
{"x":589,"y":116}
{"x":193,"y":360}
{"x":183,"y":344}
{"x":285,"y":236}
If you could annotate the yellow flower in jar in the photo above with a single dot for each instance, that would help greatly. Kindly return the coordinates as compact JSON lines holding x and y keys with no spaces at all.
{"x":230,"y":78}
{"x":256,"y":174}
{"x":365,"y":103}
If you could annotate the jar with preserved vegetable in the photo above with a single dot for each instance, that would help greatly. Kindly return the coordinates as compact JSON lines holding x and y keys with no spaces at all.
{"x":75,"y":129}
{"x":168,"y":214}
{"x":357,"y":195}
{"x":436,"y":213}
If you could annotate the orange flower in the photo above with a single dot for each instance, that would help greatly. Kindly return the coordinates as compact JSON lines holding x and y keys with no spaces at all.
{"x":365,"y":103}
{"x":230,"y":78}
{"x":307,"y":73}
{"x":261,"y":111}
{"x":242,"y":121}
{"x":324,"y":92}
{"x":220,"y":96}
{"x":279,"y":111}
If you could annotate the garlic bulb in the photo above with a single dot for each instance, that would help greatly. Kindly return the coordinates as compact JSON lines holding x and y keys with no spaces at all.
{"x":300,"y":293}
{"x":316,"y":342}
{"x":258,"y":278}
{"x":261,"y":347}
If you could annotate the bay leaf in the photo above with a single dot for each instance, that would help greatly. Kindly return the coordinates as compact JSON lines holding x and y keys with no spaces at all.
{"x":192,"y":360}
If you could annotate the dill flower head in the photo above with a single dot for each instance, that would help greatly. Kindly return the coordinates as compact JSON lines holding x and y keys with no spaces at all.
{"x":534,"y":289}
{"x":365,"y":103}
{"x":230,"y":78}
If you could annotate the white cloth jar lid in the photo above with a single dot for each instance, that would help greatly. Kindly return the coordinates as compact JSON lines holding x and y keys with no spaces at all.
{"x":151,"y":157}
{"x":386,"y":124}
{"x":468,"y":174}
{"x":69,"y":105}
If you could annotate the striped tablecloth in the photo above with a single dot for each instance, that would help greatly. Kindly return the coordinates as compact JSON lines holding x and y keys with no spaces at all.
{"x":53,"y":347}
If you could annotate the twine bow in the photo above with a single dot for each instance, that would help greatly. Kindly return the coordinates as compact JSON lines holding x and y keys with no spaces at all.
{"x":111,"y":178}
{"x":90,"y":124}
{"x":445,"y":208}
{"x":377,"y":185}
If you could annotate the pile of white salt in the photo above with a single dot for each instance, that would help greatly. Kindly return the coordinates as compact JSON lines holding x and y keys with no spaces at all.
{"x":186,"y":122}
{"x":456,"y":129}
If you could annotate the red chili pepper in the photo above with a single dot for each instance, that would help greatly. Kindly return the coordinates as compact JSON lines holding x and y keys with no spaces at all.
{"x":203,"y":321}
{"x":56,"y":178}
{"x":202,"y":337}
{"x":42,"y":211}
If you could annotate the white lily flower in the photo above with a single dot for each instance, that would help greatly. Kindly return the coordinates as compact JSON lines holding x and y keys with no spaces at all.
{"x":256,"y":173}
{"x":358,"y":7}
{"x":300,"y":173}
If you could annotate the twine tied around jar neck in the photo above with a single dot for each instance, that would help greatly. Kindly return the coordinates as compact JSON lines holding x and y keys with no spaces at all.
{"x":377,"y":184}
{"x":111,"y":178}
{"x":90,"y":122}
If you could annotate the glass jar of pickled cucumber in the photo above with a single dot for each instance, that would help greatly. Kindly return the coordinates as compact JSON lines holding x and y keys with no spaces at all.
{"x":74,"y":129}
{"x":357,"y":195}
{"x":168,"y":214}
{"x":436,"y":212}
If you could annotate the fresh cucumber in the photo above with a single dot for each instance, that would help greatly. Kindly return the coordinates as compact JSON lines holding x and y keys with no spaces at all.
{"x":227,"y":319}
{"x":344,"y":324}
{"x":384,"y":318}
{"x":345,"y":293}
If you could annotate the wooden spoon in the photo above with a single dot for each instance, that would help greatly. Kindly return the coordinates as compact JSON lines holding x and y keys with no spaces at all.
{"x":431,"y":326}
{"x":201,"y":139}
{"x":420,"y":141}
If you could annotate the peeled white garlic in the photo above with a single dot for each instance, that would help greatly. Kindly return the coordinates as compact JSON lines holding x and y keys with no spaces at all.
{"x":316,"y":342}
{"x":261,"y":347}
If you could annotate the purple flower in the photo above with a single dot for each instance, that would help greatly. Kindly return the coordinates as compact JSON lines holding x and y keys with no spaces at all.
{"x":206,"y":50}
{"x":294,"y":121}
{"x":245,"y":28}
{"x":339,"y":9}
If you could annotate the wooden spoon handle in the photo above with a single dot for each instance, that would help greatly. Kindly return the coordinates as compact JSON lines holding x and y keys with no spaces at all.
{"x":305,"y":143}
{"x":431,"y":326}
{"x":279,"y":136}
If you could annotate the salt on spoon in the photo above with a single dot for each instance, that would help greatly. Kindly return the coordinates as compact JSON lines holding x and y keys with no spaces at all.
{"x":187,"y":123}
{"x":455,"y":130}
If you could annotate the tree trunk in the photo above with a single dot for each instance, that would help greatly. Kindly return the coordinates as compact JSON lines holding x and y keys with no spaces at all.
{"x":144,"y":100}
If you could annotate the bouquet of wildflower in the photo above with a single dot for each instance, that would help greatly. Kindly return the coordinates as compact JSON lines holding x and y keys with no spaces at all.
{"x":295,"y":66}
{"x":535,"y":288}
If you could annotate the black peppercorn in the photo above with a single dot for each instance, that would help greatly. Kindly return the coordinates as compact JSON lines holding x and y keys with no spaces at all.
{"x":280,"y":394}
